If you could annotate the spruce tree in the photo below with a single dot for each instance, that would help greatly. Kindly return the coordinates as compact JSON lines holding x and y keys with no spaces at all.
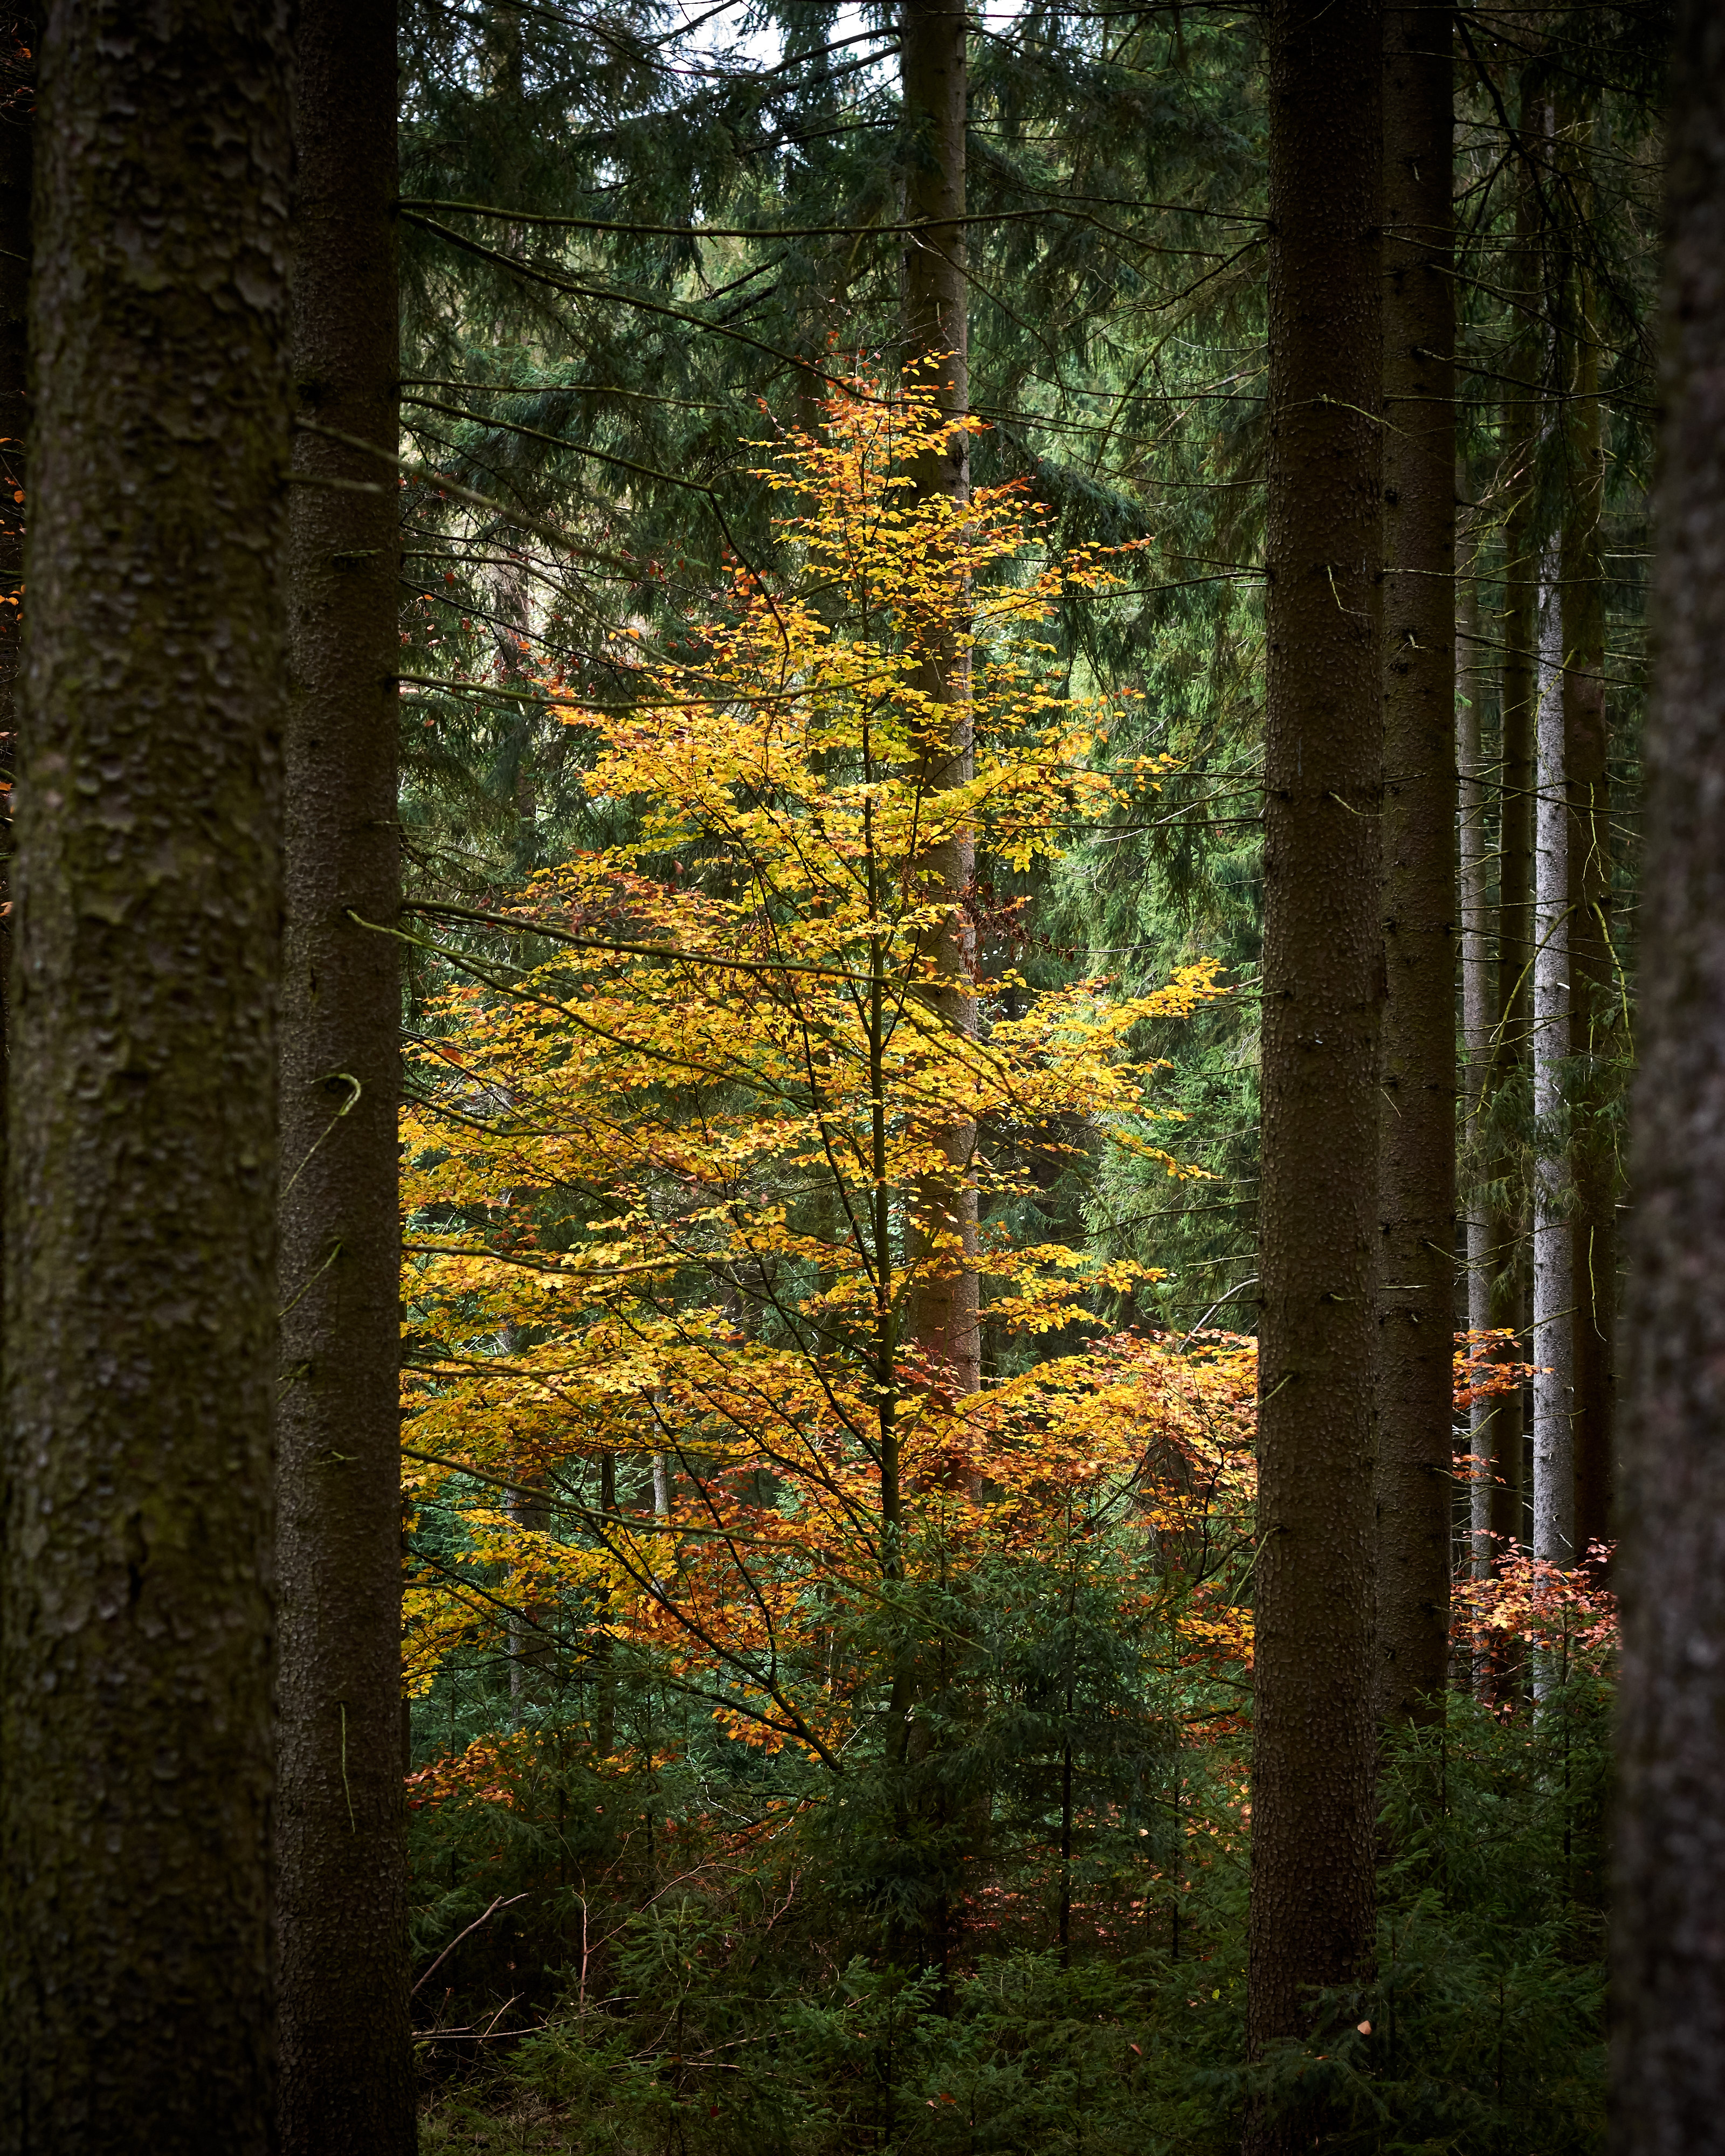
{"x":1669,"y":1953}
{"x":347,"y":2068}
{"x":1418,"y":1117}
{"x":136,"y":1627}
{"x":1314,"y":1739}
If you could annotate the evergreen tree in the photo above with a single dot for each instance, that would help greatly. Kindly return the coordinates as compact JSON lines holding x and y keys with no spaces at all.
{"x":1314,"y":1737}
{"x":1416,"y":1287}
{"x":347,"y":2068}
{"x":135,"y":1628}
{"x":1670,"y":1930}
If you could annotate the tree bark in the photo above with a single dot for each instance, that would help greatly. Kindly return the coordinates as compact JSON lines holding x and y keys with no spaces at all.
{"x":942,"y":1313}
{"x":1669,"y":1918}
{"x":1553,"y":1295}
{"x":1506,"y":1234}
{"x":1315,"y":1739}
{"x":346,"y":2077}
{"x":1477,"y":1002}
{"x":135,"y":1627}
{"x":1593,"y":1036}
{"x":1417,"y":1115}
{"x":19,"y":38}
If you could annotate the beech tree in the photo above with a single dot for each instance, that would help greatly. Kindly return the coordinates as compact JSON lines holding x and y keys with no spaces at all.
{"x":347,"y":2071}
{"x":135,"y":1628}
{"x":1314,"y":1736}
{"x":1670,"y":1927}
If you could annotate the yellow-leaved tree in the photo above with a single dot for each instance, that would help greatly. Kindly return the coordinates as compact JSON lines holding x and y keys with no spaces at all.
{"x":672,"y":1131}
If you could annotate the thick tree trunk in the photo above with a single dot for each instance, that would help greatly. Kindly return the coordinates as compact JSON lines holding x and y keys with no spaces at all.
{"x":1417,"y":1199}
{"x":1594,"y":1001}
{"x":1315,"y":1736}
{"x":19,"y":40}
{"x":1669,"y":1921}
{"x":345,"y":2049}
{"x":1553,"y":1296}
{"x":941,"y":1316}
{"x":135,"y":1628}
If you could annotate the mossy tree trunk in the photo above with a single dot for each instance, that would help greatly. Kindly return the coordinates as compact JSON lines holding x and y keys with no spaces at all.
{"x":136,"y":1624}
{"x":347,"y":2077}
{"x":1417,"y":1287}
{"x":1314,"y":1739}
{"x":1669,"y":1915}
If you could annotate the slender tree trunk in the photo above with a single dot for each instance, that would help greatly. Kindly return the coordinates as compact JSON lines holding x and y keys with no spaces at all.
{"x":1594,"y":1003}
{"x":1477,"y":1005}
{"x":1669,"y":1919}
{"x":941,"y":1315}
{"x":1553,"y":1296}
{"x":1417,"y":1117}
{"x":135,"y":1628}
{"x":1507,"y":1234}
{"x":1315,"y":1737}
{"x":347,"y":2059}
{"x":604,"y":1719}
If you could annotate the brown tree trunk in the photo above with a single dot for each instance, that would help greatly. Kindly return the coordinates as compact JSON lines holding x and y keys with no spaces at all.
{"x":1315,"y":1739}
{"x":1506,"y":1237}
{"x":135,"y":1627}
{"x":1553,"y":1329}
{"x":1417,"y":1199}
{"x":1476,"y":1007}
{"x":1594,"y":1038}
{"x":347,"y":2079}
{"x":19,"y":40}
{"x":1669,"y":1924}
{"x":941,"y":1316}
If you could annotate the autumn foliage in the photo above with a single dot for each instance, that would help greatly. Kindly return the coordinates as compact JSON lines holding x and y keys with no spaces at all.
{"x":668,"y":1150}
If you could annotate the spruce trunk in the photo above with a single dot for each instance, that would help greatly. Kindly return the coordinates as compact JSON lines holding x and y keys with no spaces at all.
{"x":1315,"y":1739}
{"x":1593,"y":1036}
{"x":136,"y":1627}
{"x":1669,"y":1918}
{"x":942,"y":1319}
{"x":347,"y":2079}
{"x":17,"y":133}
{"x":1506,"y":1237}
{"x":1476,"y":1012}
{"x":1553,"y":1295}
{"x":1417,"y":1289}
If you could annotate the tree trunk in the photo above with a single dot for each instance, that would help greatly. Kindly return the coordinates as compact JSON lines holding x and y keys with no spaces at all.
{"x":1669,"y":1922}
{"x":1506,"y":1235}
{"x":942,"y":1315}
{"x":1553,"y":1297}
{"x":1594,"y":1040}
{"x":1417,"y":1116}
{"x":19,"y":38}
{"x":1477,"y":1002}
{"x":347,"y":2079}
{"x":135,"y":1628}
{"x":1315,"y":1739}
